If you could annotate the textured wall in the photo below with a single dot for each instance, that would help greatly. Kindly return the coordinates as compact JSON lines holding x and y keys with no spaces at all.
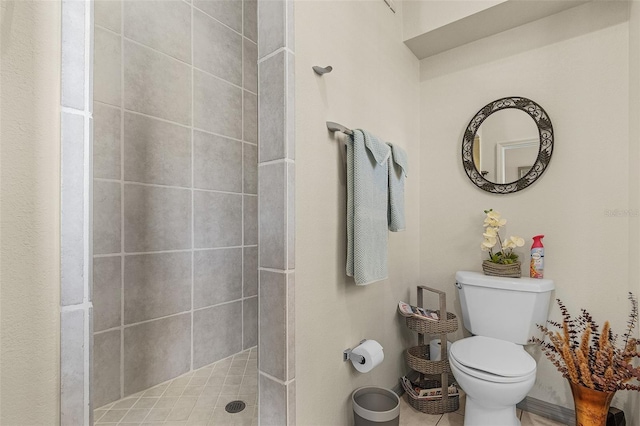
{"x":175,"y":189}
{"x":30,"y":206}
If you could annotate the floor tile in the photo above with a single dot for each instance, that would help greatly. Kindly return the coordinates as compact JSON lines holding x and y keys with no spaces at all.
{"x":530,"y":419}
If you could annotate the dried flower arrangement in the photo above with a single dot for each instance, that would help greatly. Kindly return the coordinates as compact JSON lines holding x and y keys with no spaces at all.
{"x":589,"y":357}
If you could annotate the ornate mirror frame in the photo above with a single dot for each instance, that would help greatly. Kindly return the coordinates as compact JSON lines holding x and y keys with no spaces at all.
{"x":545,"y":131}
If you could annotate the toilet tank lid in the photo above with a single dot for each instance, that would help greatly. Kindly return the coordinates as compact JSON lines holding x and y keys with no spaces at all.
{"x":532,"y":285}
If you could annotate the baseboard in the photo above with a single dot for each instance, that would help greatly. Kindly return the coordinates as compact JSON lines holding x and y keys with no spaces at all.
{"x":548,"y":410}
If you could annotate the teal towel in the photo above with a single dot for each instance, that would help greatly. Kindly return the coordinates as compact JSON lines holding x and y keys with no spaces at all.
{"x":398,"y":170}
{"x":367,"y":193}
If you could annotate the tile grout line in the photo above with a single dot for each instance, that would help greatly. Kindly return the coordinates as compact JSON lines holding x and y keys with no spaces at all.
{"x":193,"y":184}
{"x":122,"y":199}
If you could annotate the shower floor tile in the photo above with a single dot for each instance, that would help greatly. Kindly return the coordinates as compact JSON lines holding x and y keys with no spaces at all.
{"x":197,"y":398}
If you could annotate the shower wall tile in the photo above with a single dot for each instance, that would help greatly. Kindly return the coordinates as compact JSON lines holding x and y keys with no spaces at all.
{"x":106,"y":141}
{"x":145,"y":71}
{"x":250,"y":322}
{"x":156,"y":351}
{"x":106,"y":217}
{"x":156,"y":151}
{"x":156,"y":285}
{"x":74,"y":35}
{"x":223,"y":58}
{"x":291,"y":216}
{"x":250,"y":60}
{"x":217,"y":276}
{"x":250,"y":24}
{"x":271,"y":26}
{"x":106,"y":77}
{"x":250,"y":214}
{"x":291,"y":325}
{"x":217,"y":219}
{"x":250,"y":130}
{"x":217,"y":163}
{"x":271,"y":194}
{"x":229,"y":12}
{"x":271,"y":104}
{"x":108,"y":14}
{"x":250,"y":169}
{"x":272,"y":401}
{"x":156,"y":218}
{"x":107,"y":288}
{"x":72,"y":356}
{"x":106,"y":361}
{"x":217,"y":333}
{"x":272,"y":332}
{"x":224,"y":116}
{"x":147,"y":22}
{"x":250,"y":274}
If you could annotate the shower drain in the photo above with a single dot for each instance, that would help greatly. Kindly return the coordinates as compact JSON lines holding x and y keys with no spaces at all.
{"x":235,"y":407}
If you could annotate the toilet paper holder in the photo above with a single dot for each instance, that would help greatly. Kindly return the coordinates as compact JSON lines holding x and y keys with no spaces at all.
{"x":347,"y":354}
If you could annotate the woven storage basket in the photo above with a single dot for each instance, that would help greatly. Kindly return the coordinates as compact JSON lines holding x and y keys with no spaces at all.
{"x":499,"y":270}
{"x":434,"y":406}
{"x":418,"y":359}
{"x":426,"y":326}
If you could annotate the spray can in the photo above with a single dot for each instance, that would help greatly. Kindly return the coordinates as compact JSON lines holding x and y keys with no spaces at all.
{"x":536,"y":270}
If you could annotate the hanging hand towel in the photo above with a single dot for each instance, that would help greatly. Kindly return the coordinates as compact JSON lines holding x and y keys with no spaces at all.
{"x":367,"y":194}
{"x":398,"y":170}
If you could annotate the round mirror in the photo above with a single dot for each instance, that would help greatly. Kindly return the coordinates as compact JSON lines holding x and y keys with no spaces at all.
{"x":507,"y":145}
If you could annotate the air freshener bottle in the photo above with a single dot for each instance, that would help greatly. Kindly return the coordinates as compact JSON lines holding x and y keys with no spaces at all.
{"x":536,"y":270}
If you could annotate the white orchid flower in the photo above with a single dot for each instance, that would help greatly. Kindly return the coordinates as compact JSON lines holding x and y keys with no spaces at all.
{"x":508,"y":244}
{"x":517,"y":241}
{"x":490,"y":232}
{"x":484,"y":248}
{"x":489,"y":242}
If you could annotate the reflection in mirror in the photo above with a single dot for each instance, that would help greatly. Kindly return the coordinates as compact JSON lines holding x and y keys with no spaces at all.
{"x":507,"y":145}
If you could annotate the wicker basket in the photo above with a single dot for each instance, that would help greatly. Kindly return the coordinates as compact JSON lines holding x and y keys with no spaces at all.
{"x":499,"y":270}
{"x":426,"y":326}
{"x":434,"y":406}
{"x":418,"y":359}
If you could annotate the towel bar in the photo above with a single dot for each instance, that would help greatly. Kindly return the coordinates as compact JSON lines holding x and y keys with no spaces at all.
{"x":335,"y":127}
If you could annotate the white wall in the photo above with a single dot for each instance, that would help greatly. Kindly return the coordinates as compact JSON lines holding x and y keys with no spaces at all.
{"x":576,"y":66}
{"x":374,"y":85}
{"x":29,"y":210}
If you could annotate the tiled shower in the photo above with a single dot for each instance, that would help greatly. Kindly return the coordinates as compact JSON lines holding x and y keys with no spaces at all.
{"x":175,"y":235}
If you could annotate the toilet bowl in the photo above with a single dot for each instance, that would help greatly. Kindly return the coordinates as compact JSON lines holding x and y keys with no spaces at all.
{"x":495,"y":375}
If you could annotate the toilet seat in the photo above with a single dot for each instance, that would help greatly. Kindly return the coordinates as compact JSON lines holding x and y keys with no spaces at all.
{"x":492,"y":359}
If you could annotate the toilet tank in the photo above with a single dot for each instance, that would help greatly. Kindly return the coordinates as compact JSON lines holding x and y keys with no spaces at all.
{"x":503,"y":308}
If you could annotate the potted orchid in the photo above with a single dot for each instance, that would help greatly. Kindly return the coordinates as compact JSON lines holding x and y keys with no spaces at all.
{"x":503,"y":261}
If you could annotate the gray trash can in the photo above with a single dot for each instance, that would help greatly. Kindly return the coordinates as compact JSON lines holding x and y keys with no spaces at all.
{"x":373,"y":406}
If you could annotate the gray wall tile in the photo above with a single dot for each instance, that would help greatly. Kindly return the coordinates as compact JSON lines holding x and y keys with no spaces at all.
{"x":273,"y":402}
{"x":217,"y":219}
{"x":224,"y":116}
{"x":217,"y":333}
{"x":156,"y":85}
{"x":250,"y":214}
{"x":156,"y":285}
{"x":250,"y":271}
{"x":271,"y":193}
{"x":156,"y":351}
{"x":250,"y":129}
{"x":72,"y":207}
{"x":156,"y":218}
{"x":229,"y":12}
{"x":250,"y":169}
{"x":271,"y":101}
{"x":291,"y":216}
{"x":163,"y":25}
{"x":291,"y":326}
{"x":107,"y":62}
{"x":223,"y":57}
{"x":72,"y":346}
{"x":106,"y":141}
{"x":250,"y":61}
{"x":156,"y":151}
{"x":72,"y":60}
{"x":250,"y":22}
{"x":272,"y":345}
{"x":217,"y":276}
{"x":107,"y":288}
{"x":271,"y":26}
{"x":217,"y":163}
{"x":108,"y":14}
{"x":290,"y":107}
{"x":106,"y":217}
{"x":250,"y":323}
{"x":106,"y":378}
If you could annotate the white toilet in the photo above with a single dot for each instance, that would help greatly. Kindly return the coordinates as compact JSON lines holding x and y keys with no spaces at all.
{"x":492,"y":366}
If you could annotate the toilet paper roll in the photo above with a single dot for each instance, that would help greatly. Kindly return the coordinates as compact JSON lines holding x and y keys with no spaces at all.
{"x":434,"y":349}
{"x":372,"y":353}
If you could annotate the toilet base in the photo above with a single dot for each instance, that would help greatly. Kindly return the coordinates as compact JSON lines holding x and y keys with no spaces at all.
{"x":477,"y":415}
